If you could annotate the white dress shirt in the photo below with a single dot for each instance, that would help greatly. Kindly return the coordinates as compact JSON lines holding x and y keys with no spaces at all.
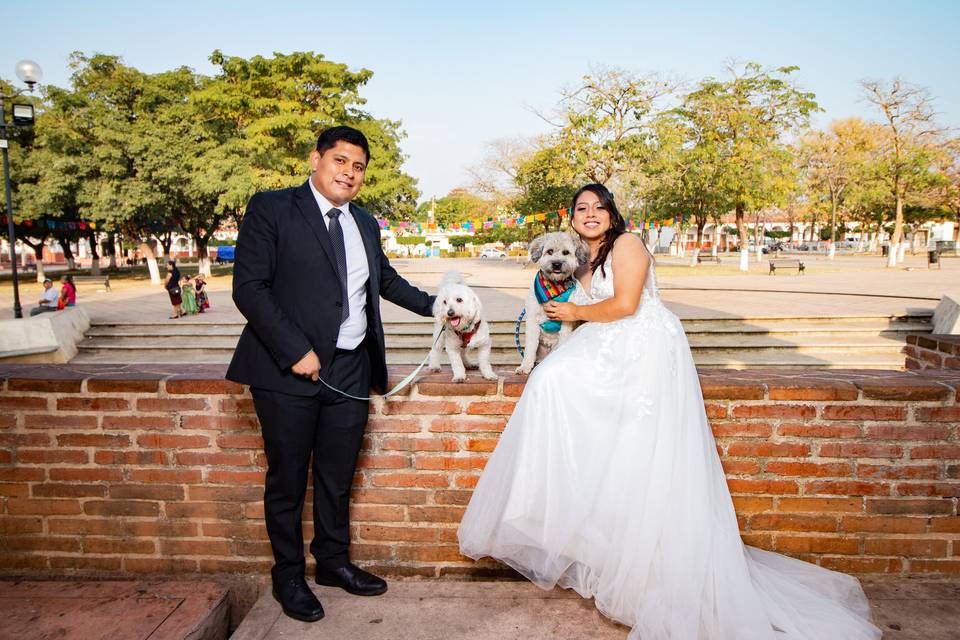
{"x":49,"y":297}
{"x":353,"y":330}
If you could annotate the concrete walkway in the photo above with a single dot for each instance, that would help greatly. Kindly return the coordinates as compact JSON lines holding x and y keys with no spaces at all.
{"x":421,"y":610}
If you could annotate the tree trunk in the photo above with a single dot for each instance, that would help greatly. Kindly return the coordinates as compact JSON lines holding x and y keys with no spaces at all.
{"x":744,"y":242}
{"x":833,"y":227}
{"x":94,"y":253}
{"x":112,"y":250}
{"x":38,"y":255}
{"x":892,"y":254}
{"x":698,"y":247}
{"x":758,"y":237}
{"x":67,"y":251}
{"x":147,"y":251}
{"x":716,"y":239}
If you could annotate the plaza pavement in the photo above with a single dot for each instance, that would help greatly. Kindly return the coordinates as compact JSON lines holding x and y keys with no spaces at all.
{"x":847,"y":286}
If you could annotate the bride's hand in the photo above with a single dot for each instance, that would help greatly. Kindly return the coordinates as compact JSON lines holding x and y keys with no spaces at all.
{"x":562,"y":311}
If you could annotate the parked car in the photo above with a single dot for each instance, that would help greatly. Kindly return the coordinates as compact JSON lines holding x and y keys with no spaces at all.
{"x":493,"y":253}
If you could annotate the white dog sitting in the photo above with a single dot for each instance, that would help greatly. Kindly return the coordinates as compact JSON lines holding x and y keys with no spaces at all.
{"x":458,"y":309}
{"x":558,"y":256}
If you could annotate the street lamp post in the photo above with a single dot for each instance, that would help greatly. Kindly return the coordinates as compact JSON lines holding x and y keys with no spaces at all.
{"x":30,"y":73}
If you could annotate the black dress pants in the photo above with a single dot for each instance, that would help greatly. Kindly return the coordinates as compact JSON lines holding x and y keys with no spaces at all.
{"x":327,"y":429}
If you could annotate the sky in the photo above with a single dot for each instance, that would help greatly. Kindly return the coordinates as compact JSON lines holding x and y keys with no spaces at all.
{"x":459,"y":75}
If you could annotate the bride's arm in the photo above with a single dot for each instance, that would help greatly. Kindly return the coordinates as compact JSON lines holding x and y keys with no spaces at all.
{"x":631,"y":261}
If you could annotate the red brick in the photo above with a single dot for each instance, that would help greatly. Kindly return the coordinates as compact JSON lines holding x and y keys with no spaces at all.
{"x":69,"y":490}
{"x":121,"y":508}
{"x":52,"y":456}
{"x":85,"y":475}
{"x":110,"y":545}
{"x":12,"y":526}
{"x":236,"y":530}
{"x":750,"y":504}
{"x":92,"y":440}
{"x":21,"y":474}
{"x":432,"y":443}
{"x":24,"y":440}
{"x":715,"y":411}
{"x":236,"y":477}
{"x":48,"y":385}
{"x":944,"y":489}
{"x":742,"y":485}
{"x":450,"y":463}
{"x":768,"y":449}
{"x":474,"y":386}
{"x":236,"y":405}
{"x":23,"y":561}
{"x":808,"y":469}
{"x":433,"y":553}
{"x":397,"y":534}
{"x":171,"y":405}
{"x":202,"y":387}
{"x":375,"y":513}
{"x":393,"y":425}
{"x":221,"y":423}
{"x":816,"y":544}
{"x":239,"y":441}
{"x":404,"y":480}
{"x":173,"y":476}
{"x":790,"y":411}
{"x":146,"y":492}
{"x":731,"y":390}
{"x":452,"y":497}
{"x":481,"y":445}
{"x":792,"y":522}
{"x":935,"y":566}
{"x":466,"y":481}
{"x":897,"y":472}
{"x":910,"y":547}
{"x":225,"y":494}
{"x":162,"y":441}
{"x":491,"y":408}
{"x":369,"y":461}
{"x":195,"y":548}
{"x":938,"y":414}
{"x":883,"y":524}
{"x":137,"y":422}
{"x":935,"y":451}
{"x":463,"y":425}
{"x":192,"y":458}
{"x":820,"y":505}
{"x":901,"y":506}
{"x":900,"y":432}
{"x":92,"y":404}
{"x":945,"y":525}
{"x":363,"y":552}
{"x":862,"y":565}
{"x":390,"y":496}
{"x":211,"y":510}
{"x":41,"y":507}
{"x":863,"y":412}
{"x":732,"y":466}
{"x":122,"y":385}
{"x":160,"y":565}
{"x":513,"y":389}
{"x":130,"y":457}
{"x":858,"y":450}
{"x":41,"y":543}
{"x":51,"y":421}
{"x":847,"y":488}
{"x":811,"y":389}
{"x":903,"y":388}
{"x":420,"y":407}
{"x":11,"y":403}
{"x":742,"y":429}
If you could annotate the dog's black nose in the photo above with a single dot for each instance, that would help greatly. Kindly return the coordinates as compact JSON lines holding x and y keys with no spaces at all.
{"x":557,"y":264}
{"x":450,"y":313}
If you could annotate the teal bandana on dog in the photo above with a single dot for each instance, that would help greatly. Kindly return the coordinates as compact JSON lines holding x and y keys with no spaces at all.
{"x":547,"y":290}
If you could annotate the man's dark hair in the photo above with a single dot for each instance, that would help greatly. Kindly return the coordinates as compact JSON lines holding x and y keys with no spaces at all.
{"x":330,"y":137}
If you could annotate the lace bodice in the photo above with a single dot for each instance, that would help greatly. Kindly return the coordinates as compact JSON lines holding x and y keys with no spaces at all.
{"x":601,"y":287}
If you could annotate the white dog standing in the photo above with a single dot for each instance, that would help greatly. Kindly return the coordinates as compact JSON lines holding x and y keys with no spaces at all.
{"x":558,"y":256}
{"x":458,"y":308}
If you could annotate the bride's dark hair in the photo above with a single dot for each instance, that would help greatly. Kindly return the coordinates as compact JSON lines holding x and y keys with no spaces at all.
{"x":617,"y":224}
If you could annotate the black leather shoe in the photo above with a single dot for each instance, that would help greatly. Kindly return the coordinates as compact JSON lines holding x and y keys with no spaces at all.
{"x":352,"y":579}
{"x":297,"y":600}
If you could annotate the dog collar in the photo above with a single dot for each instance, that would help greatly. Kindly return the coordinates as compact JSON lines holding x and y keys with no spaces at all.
{"x":467,"y":335}
{"x":546,"y":290}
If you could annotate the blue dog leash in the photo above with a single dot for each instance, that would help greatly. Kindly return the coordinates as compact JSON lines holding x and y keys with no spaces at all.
{"x":400,"y":385}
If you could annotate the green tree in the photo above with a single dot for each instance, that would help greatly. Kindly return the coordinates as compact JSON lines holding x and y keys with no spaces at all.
{"x":457,"y":206}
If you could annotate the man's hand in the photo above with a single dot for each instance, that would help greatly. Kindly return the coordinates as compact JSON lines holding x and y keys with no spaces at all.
{"x":308,"y":366}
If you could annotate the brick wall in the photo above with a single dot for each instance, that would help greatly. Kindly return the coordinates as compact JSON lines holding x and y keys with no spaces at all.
{"x":126,"y":470}
{"x":932,"y":352}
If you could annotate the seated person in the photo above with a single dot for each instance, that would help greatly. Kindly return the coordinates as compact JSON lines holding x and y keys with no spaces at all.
{"x":48,"y":299}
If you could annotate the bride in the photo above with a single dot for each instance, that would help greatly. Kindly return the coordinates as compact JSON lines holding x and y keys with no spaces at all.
{"x":607,"y":481}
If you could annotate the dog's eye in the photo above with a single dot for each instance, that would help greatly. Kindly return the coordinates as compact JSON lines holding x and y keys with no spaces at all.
{"x":565,"y":252}
{"x":550,"y":252}
{"x":459,"y":299}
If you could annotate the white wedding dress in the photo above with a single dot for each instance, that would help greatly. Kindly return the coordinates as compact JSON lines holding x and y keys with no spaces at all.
{"x":607,"y":481}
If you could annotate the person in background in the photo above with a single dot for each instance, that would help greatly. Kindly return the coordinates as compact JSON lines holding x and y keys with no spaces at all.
{"x":189,"y":297}
{"x":48,"y":299}
{"x":68,"y":292}
{"x":172,"y":284}
{"x":200,"y":286}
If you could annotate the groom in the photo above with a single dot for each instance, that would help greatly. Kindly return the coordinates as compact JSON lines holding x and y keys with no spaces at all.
{"x":308,"y":276}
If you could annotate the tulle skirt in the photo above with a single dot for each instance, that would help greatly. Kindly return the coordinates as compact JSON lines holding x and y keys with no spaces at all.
{"x":607,"y":481}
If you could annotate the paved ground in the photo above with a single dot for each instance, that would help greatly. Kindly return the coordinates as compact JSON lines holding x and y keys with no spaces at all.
{"x":904,"y":609}
{"x":849,"y":285}
{"x":119,"y":610}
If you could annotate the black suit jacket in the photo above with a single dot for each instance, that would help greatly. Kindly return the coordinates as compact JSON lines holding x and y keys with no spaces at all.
{"x":285,"y":284}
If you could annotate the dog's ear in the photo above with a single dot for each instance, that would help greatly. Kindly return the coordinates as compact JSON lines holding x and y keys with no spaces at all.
{"x":582,"y":250}
{"x":536,"y":248}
